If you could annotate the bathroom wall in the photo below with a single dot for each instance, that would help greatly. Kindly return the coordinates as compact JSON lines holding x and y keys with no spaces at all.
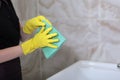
{"x":91,"y":27}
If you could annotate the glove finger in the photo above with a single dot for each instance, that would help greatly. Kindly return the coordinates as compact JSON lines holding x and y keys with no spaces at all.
{"x":43,"y":18}
{"x":48,"y":30}
{"x":53,"y":40}
{"x":52,"y":46}
{"x":40,"y":24}
{"x":42,"y":30}
{"x":52,"y":35}
{"x":40,"y":18}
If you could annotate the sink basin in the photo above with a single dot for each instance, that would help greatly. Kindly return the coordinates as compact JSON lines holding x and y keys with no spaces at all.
{"x":88,"y":70}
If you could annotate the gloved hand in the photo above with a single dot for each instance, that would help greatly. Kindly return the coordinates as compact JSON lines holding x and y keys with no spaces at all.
{"x":41,"y":39}
{"x":34,"y":23}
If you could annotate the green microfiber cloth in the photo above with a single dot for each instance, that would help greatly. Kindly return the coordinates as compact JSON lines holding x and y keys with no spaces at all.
{"x":49,"y":52}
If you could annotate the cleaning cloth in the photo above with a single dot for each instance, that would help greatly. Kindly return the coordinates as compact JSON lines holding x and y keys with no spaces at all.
{"x":47,"y":51}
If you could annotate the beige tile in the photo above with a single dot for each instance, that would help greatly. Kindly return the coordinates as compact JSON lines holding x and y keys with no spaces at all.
{"x":64,"y":8}
{"x":110,"y":9}
{"x":26,"y":9}
{"x":93,"y":40}
{"x":108,"y":50}
{"x":110,"y":30}
{"x":94,"y":6}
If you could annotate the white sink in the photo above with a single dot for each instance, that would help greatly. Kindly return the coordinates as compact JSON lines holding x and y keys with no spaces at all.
{"x":88,"y":70}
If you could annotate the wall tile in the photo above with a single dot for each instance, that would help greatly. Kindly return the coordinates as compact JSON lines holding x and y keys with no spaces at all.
{"x":110,"y":9}
{"x":64,"y":8}
{"x":94,"y":9}
{"x":108,"y":50}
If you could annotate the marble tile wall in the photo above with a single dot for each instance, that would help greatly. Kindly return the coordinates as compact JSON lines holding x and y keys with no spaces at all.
{"x":92,"y":29}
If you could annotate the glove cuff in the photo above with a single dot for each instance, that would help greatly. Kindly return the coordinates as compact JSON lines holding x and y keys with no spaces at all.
{"x":27,"y":47}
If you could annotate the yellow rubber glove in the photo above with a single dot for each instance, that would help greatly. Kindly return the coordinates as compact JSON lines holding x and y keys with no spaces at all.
{"x":34,"y":23}
{"x":41,"y":39}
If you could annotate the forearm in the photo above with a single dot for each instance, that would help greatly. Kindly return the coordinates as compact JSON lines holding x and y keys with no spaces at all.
{"x":10,"y":53}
